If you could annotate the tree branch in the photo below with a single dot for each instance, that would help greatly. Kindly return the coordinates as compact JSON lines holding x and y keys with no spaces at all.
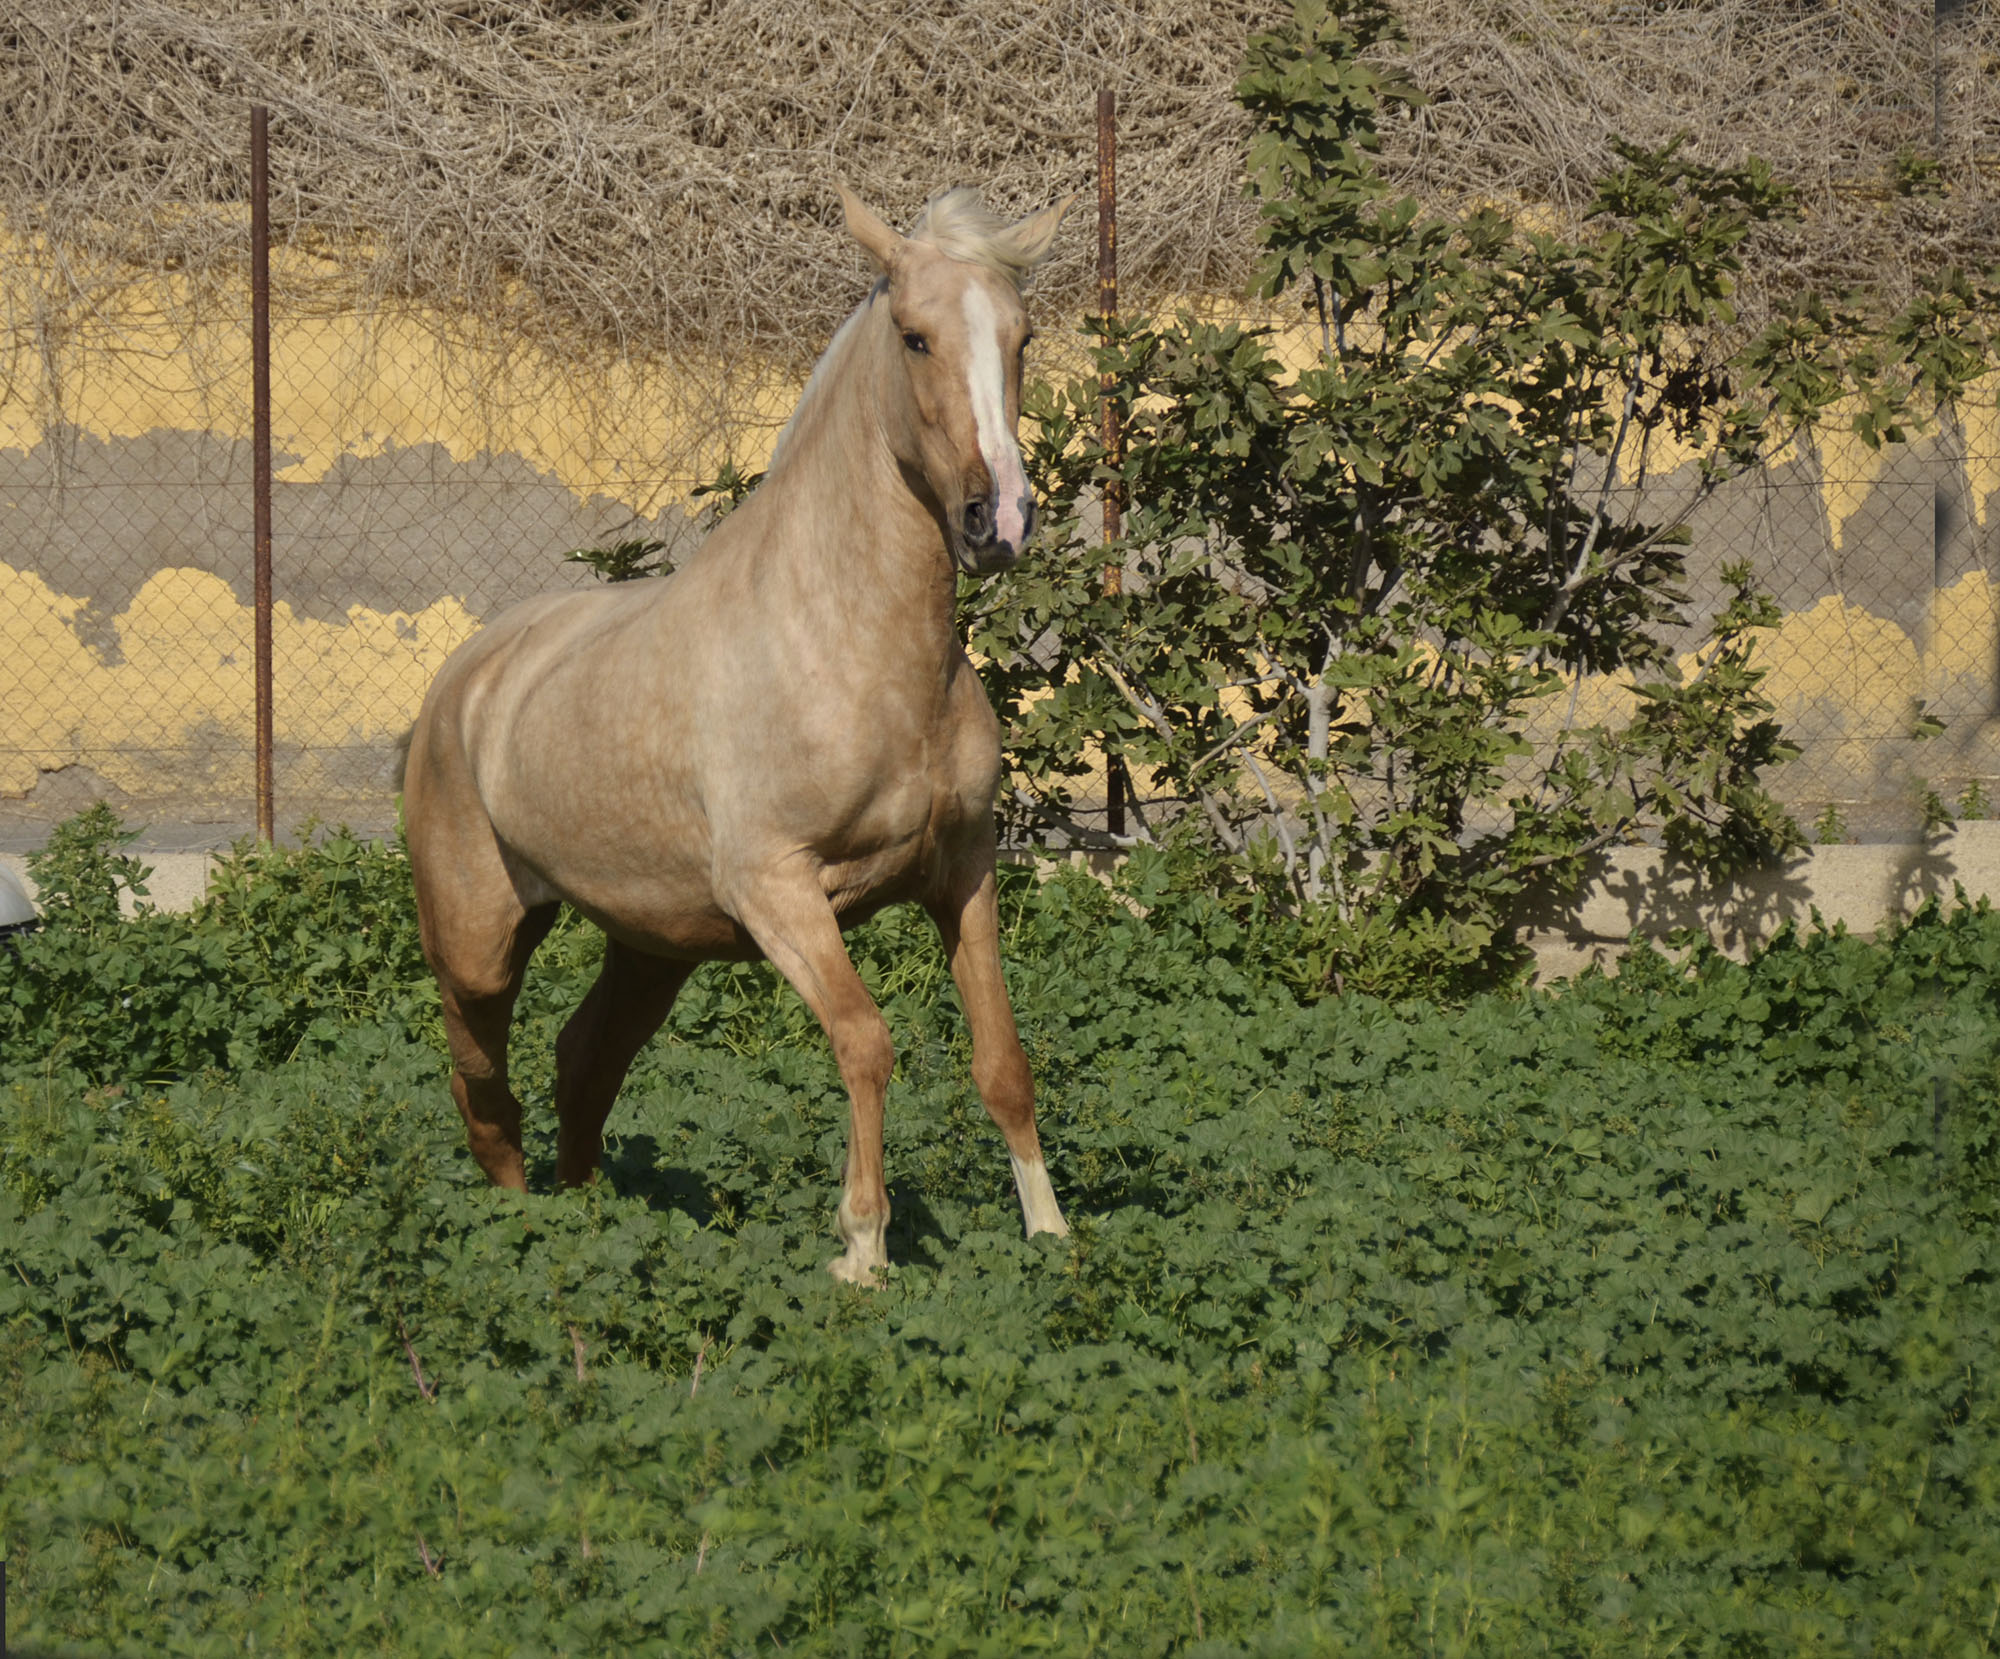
{"x":1084,"y":835}
{"x":1566,"y":594}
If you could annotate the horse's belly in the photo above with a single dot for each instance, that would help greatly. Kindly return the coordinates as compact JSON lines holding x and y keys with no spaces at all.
{"x":649,"y":885}
{"x":695,"y":934}
{"x":858,"y":887}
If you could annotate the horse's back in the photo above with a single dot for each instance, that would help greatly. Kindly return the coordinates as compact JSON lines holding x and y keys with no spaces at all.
{"x":516,"y":643}
{"x":539,"y":677}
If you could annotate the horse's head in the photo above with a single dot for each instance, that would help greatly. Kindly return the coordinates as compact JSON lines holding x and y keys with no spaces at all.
{"x":953,"y":296}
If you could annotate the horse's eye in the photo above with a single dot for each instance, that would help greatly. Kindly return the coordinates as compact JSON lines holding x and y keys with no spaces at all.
{"x":916,"y":342}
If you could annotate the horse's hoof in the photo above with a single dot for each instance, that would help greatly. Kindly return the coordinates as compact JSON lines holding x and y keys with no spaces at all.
{"x":851,"y":1271}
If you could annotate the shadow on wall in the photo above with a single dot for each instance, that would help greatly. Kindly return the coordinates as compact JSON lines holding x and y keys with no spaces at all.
{"x":125,"y":615}
{"x":1884,"y":562}
{"x":390,"y":532}
{"x":1639,"y":891}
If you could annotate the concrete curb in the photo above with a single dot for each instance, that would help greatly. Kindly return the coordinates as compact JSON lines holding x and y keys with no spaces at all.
{"x":1634,"y":890}
{"x":178,"y":881}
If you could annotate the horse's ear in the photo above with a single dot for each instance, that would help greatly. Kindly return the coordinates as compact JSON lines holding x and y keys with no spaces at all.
{"x":1030,"y":237}
{"x":882,"y":243}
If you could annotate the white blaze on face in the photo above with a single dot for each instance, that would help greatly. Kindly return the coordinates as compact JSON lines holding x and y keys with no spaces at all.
{"x":986,"y":381}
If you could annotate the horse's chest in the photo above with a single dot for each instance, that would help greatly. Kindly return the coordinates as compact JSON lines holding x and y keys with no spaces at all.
{"x":891,"y":843}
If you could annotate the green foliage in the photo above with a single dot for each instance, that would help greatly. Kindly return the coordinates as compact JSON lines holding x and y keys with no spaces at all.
{"x":1912,"y":173}
{"x":1358,"y":601}
{"x":81,"y":878}
{"x":1974,"y":803}
{"x":1932,"y":812}
{"x":1830,"y":828}
{"x":726,"y":491}
{"x":1943,"y":341}
{"x":1905,"y":373}
{"x":1655,"y":1315}
{"x":625,"y":561}
{"x":1317,"y":101}
{"x":1357,"y":597}
{"x":630,"y":560}
{"x":290,"y":946}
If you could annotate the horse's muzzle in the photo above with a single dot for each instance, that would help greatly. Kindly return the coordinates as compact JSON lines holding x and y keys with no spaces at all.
{"x":977,"y":542}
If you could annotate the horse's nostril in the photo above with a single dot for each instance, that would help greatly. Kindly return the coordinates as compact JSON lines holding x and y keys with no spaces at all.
{"x":978,"y":522}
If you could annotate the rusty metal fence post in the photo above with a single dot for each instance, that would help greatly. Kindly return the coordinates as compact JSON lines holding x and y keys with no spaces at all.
{"x":260,"y":441}
{"x":1107,"y":307}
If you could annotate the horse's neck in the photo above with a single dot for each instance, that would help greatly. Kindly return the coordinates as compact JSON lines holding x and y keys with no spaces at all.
{"x":851,"y":537}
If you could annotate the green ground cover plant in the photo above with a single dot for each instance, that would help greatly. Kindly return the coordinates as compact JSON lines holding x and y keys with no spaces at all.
{"x":1650,"y":1315}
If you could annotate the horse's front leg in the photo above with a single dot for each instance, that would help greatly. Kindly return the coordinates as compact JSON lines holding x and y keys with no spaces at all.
{"x":968,"y":917}
{"x":794,"y":926}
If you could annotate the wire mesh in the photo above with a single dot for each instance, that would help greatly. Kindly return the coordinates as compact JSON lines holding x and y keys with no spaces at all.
{"x":1886,"y":669}
{"x":427,"y":478}
{"x":407,"y":509}
{"x":405,"y":516}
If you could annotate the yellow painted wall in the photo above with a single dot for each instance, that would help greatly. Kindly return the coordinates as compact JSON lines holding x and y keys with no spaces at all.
{"x":181,"y":697}
{"x":172,"y":712}
{"x":1835,"y":665}
{"x":356,"y":386}
{"x":180,"y":703}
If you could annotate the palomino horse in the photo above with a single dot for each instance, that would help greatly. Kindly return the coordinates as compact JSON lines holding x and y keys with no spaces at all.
{"x":768,"y":746}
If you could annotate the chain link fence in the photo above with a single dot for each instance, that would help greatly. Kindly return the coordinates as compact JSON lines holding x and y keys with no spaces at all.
{"x":1886,"y":672}
{"x":413,"y":500}
{"x":1886,"y":669}
{"x":427,"y":478}
{"x":414,"y":496}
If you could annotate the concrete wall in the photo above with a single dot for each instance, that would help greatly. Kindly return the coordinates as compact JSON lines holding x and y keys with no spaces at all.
{"x":424,"y":481}
{"x":1636,"y":891}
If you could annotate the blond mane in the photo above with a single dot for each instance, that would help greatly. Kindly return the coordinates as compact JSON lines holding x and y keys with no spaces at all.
{"x":960,"y":226}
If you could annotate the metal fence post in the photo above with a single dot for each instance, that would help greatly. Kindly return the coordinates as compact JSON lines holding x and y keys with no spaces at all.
{"x":260,"y":440}
{"x":1107,"y":306}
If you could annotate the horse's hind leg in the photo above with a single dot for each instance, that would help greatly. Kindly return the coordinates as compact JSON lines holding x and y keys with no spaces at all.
{"x":632,"y":996}
{"x":479,"y":975}
{"x":477,"y":936}
{"x":968,"y":918}
{"x":478,"y":930}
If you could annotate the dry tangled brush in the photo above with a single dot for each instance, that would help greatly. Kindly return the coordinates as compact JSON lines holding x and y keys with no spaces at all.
{"x":652,"y":178}
{"x":1831,"y":92}
{"x":627,"y":178}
